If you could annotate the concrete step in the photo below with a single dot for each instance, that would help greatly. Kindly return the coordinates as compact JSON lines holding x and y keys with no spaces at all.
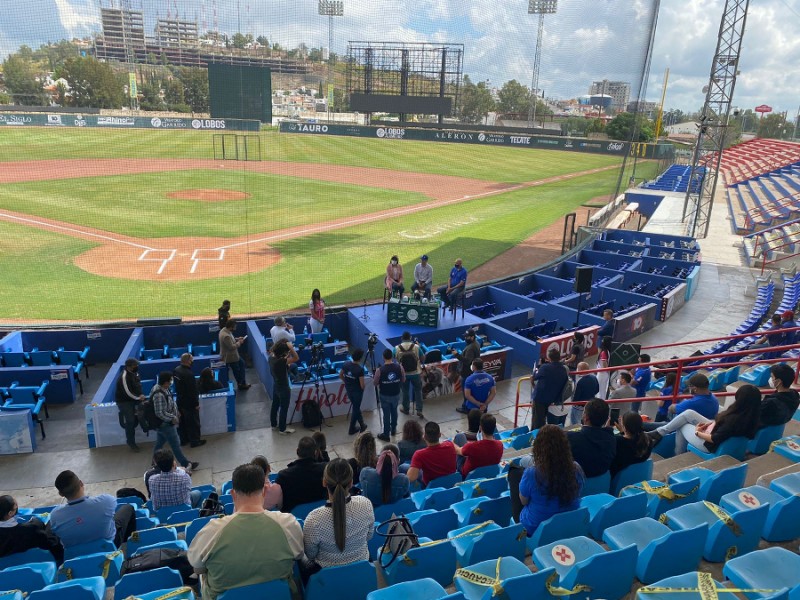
{"x":663,"y":469}
{"x":763,"y":466}
{"x":768,"y":478}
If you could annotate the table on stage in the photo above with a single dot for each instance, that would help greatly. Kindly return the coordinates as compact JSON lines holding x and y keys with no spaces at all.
{"x":413,"y":313}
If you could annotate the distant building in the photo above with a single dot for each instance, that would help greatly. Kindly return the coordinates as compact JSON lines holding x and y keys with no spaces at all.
{"x":620,"y":92}
{"x":643,"y":107}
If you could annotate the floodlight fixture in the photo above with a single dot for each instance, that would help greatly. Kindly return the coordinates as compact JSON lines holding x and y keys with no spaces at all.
{"x":542,"y":7}
{"x":331,"y":8}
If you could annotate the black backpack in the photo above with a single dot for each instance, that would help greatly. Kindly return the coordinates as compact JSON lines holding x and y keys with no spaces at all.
{"x":409,"y":357}
{"x":212,"y":506}
{"x":146,"y":413}
{"x":311,"y":414}
{"x":161,"y":557}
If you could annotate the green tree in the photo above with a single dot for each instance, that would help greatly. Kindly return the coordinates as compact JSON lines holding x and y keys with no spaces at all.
{"x":195,"y":87}
{"x":773,"y":126}
{"x":5,"y":98}
{"x":315,"y":55}
{"x":19,"y":74}
{"x":513,"y":97}
{"x":262,"y":39}
{"x":174,"y":92}
{"x":476,"y":101}
{"x":625,"y":124}
{"x":150,"y":96}
{"x":94,"y":84}
{"x":239,"y":40}
{"x":61,"y":94}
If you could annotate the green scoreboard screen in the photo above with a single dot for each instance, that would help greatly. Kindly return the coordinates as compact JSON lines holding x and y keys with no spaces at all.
{"x":240,"y":92}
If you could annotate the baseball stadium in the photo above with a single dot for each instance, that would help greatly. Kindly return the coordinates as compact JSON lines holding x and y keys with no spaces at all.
{"x":362,"y":300}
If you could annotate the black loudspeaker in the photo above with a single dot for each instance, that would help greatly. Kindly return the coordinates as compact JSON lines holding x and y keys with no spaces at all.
{"x":624,"y":354}
{"x":583,"y":279}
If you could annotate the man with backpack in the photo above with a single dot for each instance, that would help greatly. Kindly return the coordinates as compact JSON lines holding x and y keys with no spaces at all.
{"x":389,"y":378}
{"x":166,"y":411}
{"x":410,"y":356}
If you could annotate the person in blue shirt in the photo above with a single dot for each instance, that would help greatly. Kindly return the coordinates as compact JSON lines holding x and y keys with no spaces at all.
{"x":384,"y":483}
{"x":641,"y":381}
{"x":702,"y":402}
{"x":667,"y":390}
{"x":85,"y":518}
{"x":352,"y":374}
{"x":479,"y":388}
{"x":787,"y":322}
{"x":607,"y":328}
{"x":455,"y":287}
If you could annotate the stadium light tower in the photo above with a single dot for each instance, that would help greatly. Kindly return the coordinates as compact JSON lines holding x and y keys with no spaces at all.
{"x":330,"y":9}
{"x":541,"y":8}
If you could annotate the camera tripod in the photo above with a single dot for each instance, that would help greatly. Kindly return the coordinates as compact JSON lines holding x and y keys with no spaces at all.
{"x":315,"y":371}
{"x":370,"y":356}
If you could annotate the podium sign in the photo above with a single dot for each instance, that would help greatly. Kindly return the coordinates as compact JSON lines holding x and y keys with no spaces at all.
{"x":413,"y":313}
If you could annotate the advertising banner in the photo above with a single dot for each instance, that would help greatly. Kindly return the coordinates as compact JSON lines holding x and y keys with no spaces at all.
{"x":125,"y":122}
{"x":634,"y":323}
{"x":672,"y":302}
{"x":564,"y":342}
{"x":332,"y":398}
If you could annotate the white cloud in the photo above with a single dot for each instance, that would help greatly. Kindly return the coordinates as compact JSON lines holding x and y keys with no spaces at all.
{"x":78,"y":17}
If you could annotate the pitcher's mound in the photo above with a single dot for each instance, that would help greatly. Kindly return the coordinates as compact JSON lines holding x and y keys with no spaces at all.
{"x":208,"y":195}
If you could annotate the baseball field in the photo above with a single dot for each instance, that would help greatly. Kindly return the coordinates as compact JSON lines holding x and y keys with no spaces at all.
{"x":112,"y":225}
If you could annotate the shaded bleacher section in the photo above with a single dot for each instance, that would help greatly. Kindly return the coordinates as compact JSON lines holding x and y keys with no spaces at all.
{"x":676,"y":179}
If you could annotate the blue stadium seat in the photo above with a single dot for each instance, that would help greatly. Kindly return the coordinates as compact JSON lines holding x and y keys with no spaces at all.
{"x":713,"y":485}
{"x":14,"y":359}
{"x":662,"y":552}
{"x":34,"y":555}
{"x":85,"y":588}
{"x":665,"y":589}
{"x":666,"y":447}
{"x":94,"y":547}
{"x":734,"y":446}
{"x":150,"y":536}
{"x":132,"y":584}
{"x":606,"y":511}
{"x":580,"y":561}
{"x":102,"y":564}
{"x":347,"y":582}
{"x":505,"y":570}
{"x":180,"y":518}
{"x":783,"y":520}
{"x":195,"y":526}
{"x":490,"y":488}
{"x":787,"y":485}
{"x":735,"y":536}
{"x":494,"y":509}
{"x":434,"y":525}
{"x":28,"y":578}
{"x":572,"y":523}
{"x":423,"y":589}
{"x":662,"y":497}
{"x":271,"y":590}
{"x":301,"y":511}
{"x":489,"y":542}
{"x":401,"y":507}
{"x":758,"y":376}
{"x":41,"y":358}
{"x":764,"y":438}
{"x":203,"y":350}
{"x":436,"y":498}
{"x":436,"y":561}
{"x":632,"y":474}
{"x":770,"y":568}
{"x":445,"y":481}
{"x":487,"y":472}
{"x":788,"y":447}
{"x":165,"y":512}
{"x":597,"y":485}
{"x":182,"y":593}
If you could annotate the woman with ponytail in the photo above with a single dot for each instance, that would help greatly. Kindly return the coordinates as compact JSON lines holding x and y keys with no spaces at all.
{"x":633,"y":445}
{"x":384,"y":484}
{"x":337,"y":533}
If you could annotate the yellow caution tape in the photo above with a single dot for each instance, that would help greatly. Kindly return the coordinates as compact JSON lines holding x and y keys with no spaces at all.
{"x":780,"y":442}
{"x":9,"y":592}
{"x":468,"y":533}
{"x":483,"y":580}
{"x":172,"y":594}
{"x":724,"y":517}
{"x":555,"y":590}
{"x":706,"y":587}
{"x":107,"y":563}
{"x":663,"y":491}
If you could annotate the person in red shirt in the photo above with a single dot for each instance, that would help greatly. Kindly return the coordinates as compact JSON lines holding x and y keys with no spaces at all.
{"x":436,"y":460}
{"x":484,"y":452}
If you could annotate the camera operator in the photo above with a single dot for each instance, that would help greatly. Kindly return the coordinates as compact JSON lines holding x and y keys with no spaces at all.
{"x":352,"y":374}
{"x":282,"y":356}
{"x":471,"y":351}
{"x":410,"y":356}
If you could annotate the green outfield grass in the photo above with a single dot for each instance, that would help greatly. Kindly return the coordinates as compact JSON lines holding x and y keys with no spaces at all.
{"x":141,"y":208}
{"x":463,"y":160}
{"x":347,"y":264}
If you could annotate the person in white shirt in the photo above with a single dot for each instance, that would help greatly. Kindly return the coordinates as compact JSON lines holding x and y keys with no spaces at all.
{"x":281,"y":331}
{"x":423,"y":277}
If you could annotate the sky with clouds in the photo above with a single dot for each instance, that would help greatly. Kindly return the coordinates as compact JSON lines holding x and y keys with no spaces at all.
{"x":586,"y":40}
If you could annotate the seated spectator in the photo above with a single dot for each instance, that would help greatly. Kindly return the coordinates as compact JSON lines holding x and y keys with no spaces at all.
{"x":593,"y":446}
{"x":273,"y":494}
{"x":633,"y":445}
{"x":437,"y":459}
{"x":337,"y":533}
{"x":480,"y":453}
{"x":384,"y":484}
{"x":365,"y":453}
{"x":586,"y":387}
{"x":703,"y":401}
{"x":322,"y":446}
{"x":554,"y":483}
{"x":85,"y":519}
{"x":171,"y":486}
{"x":788,"y":322}
{"x":667,"y":390}
{"x":623,"y":390}
{"x":779,"y":408}
{"x":18,"y":537}
{"x":207,"y":383}
{"x":740,"y":420}
{"x":300,"y":480}
{"x":472,"y":434}
{"x":250,"y":546}
{"x":774,"y":338}
{"x":411,"y":441}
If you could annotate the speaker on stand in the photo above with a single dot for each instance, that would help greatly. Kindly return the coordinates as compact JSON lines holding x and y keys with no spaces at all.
{"x":582,"y":285}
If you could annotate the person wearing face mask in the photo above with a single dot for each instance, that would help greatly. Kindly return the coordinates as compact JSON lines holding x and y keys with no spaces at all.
{"x":779,"y":407}
{"x":394,"y":277}
{"x":479,"y":388}
{"x":128,"y":394}
{"x":465,"y":358}
{"x":450,"y":293}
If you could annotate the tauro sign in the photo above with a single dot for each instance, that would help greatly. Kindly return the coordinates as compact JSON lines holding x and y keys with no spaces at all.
{"x":763,"y":108}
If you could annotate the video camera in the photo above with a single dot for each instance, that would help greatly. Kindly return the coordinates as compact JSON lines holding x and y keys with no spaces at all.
{"x":372,"y":340}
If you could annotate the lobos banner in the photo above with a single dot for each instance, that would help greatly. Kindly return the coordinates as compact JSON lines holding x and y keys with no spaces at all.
{"x":564,"y":342}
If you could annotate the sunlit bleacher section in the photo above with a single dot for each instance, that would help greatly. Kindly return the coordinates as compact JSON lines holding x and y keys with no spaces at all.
{"x":756,"y":157}
{"x":676,"y":179}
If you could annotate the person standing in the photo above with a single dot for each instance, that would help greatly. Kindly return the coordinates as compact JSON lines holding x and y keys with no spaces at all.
{"x":188,"y":402}
{"x":603,"y":361}
{"x":641,"y":381}
{"x":576,"y":352}
{"x":410,"y":356}
{"x":282,"y":356}
{"x":389,"y":378}
{"x":128,"y":394}
{"x":394,"y":277}
{"x":471,"y":351}
{"x":455,"y":287}
{"x":548,"y":384}
{"x":607,"y":328}
{"x":423,"y":277}
{"x":167,"y":411}
{"x":586,"y":388}
{"x":623,"y":391}
{"x":352,"y":374}
{"x":224,"y":313}
{"x":317,"y":307}
{"x":479,"y":388}
{"x":229,"y":352}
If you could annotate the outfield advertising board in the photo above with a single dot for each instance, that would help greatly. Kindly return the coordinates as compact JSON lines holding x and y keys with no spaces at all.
{"x":461,"y":137}
{"x":125,"y":122}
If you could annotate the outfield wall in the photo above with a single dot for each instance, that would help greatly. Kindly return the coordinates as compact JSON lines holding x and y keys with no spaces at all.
{"x":129,"y":122}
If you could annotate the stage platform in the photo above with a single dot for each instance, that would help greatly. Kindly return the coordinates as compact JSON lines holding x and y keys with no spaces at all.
{"x":376,"y":322}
